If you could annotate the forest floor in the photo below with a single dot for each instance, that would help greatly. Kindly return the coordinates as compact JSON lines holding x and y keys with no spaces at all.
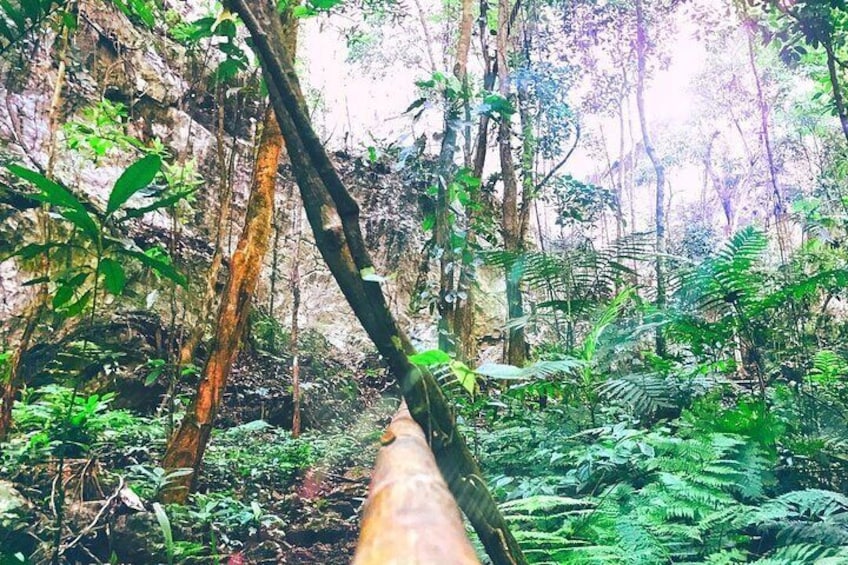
{"x":263,"y":496}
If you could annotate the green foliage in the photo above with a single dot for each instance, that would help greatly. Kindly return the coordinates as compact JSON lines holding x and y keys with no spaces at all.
{"x":578,"y":203}
{"x":165,"y":526}
{"x":20,"y":17}
{"x":256,"y":455}
{"x":53,"y":420}
{"x":104,"y":256}
{"x":100,"y":130}
{"x":310,"y":7}
{"x":575,"y":280}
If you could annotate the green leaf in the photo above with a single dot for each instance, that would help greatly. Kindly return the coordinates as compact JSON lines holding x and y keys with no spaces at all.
{"x":465,"y":376}
{"x":416,"y":104}
{"x":52,"y":193}
{"x":430,"y":357}
{"x":157,"y":366}
{"x":162,"y":203}
{"x":429,"y":222}
{"x":63,"y":295}
{"x":368,"y":274}
{"x":167,"y":533}
{"x":68,"y":289}
{"x":137,"y":176}
{"x":497,"y":104}
{"x":303,"y":12}
{"x":35,"y":281}
{"x":161,"y":267}
{"x":31,"y":250}
{"x":114,"y":277}
{"x":77,"y":307}
{"x":57,"y":195}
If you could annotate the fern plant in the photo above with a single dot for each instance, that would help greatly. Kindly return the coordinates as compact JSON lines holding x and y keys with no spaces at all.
{"x":649,"y":497}
{"x":574,"y":281}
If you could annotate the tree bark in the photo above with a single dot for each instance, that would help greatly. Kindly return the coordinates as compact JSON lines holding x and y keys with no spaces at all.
{"x":659,"y":168}
{"x":450,"y":339}
{"x":777,"y":197}
{"x":464,"y":309}
{"x":838,"y":98}
{"x":294,"y":334}
{"x":511,"y":224}
{"x":186,"y":447}
{"x":334,"y":217}
{"x":12,"y":383}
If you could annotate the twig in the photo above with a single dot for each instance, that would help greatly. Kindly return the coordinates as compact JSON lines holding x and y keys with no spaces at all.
{"x":106,"y":505}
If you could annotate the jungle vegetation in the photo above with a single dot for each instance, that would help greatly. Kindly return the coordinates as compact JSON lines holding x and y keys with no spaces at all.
{"x":598,"y":249}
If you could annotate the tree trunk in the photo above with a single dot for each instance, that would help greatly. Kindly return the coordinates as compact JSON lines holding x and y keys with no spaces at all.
{"x":511,"y":223}
{"x":659,"y":169}
{"x":334,"y":217}
{"x":464,"y":308}
{"x":779,"y":212}
{"x":410,"y":514}
{"x":13,"y":381}
{"x":186,"y":447}
{"x":449,"y":338}
{"x":838,"y":98}
{"x":294,"y":335}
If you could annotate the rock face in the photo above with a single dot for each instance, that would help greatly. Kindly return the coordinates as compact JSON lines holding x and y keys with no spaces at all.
{"x":166,"y":93}
{"x":13,"y":515}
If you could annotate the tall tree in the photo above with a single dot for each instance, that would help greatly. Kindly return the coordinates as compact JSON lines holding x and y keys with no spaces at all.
{"x":512,"y":226}
{"x":642,"y":47}
{"x":821,"y":24}
{"x":186,"y":447}
{"x":456,"y":104}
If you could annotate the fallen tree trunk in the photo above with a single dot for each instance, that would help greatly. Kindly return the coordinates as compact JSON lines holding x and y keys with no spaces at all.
{"x":410,"y":515}
{"x":334,"y":217}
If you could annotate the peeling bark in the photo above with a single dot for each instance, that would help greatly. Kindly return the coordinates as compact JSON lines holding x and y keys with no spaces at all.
{"x":186,"y":448}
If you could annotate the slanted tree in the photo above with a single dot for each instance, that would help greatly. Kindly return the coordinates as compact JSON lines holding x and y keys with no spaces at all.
{"x":334,"y":217}
{"x":186,"y":447}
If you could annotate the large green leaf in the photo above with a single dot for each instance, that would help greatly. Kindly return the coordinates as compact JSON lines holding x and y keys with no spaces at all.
{"x":430,"y":357}
{"x":52,"y":192}
{"x":68,"y":289}
{"x":137,"y":176}
{"x":114,"y":278}
{"x":464,"y":376}
{"x":165,"y":269}
{"x":57,"y":195}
